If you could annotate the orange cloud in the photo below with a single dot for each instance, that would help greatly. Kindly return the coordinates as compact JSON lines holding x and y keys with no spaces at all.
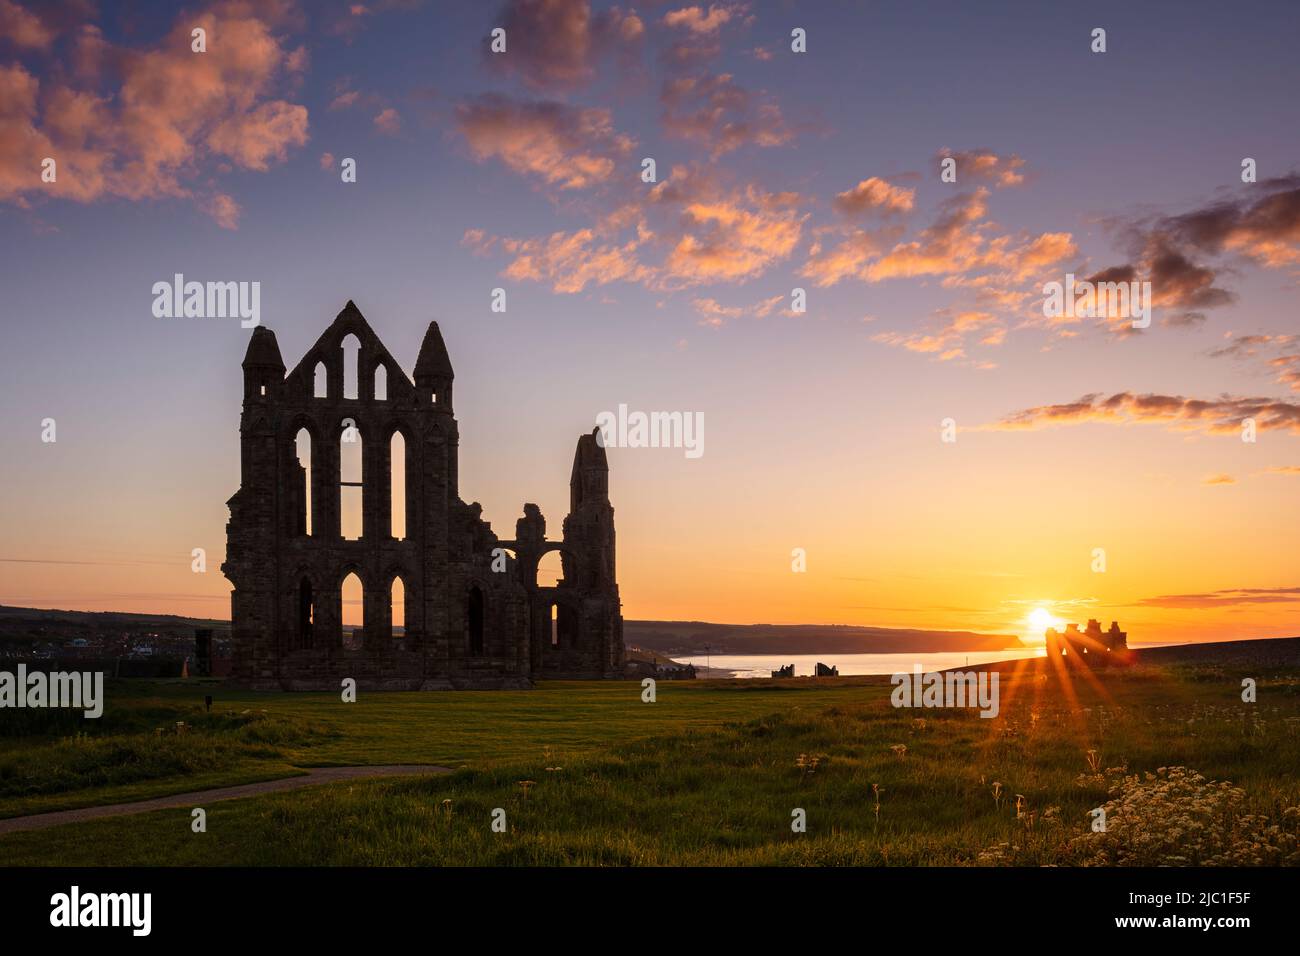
{"x":563,"y":146}
{"x":875,"y":195}
{"x":696,"y":20}
{"x":950,"y":245}
{"x":716,"y":314}
{"x":1289,"y":374}
{"x":849,"y":257}
{"x":731,"y":237}
{"x":1030,"y":258}
{"x":946,"y":341}
{"x":572,"y":261}
{"x":984,"y":165}
{"x":173,"y":113}
{"x":958,"y":246}
{"x":687,"y":231}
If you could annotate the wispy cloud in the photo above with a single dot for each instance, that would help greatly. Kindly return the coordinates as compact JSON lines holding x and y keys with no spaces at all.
{"x":1221,"y":416}
{"x":690,"y":229}
{"x":717,"y":112}
{"x":985,"y":166}
{"x":696,"y":19}
{"x":1224,"y":598}
{"x":715,"y":315}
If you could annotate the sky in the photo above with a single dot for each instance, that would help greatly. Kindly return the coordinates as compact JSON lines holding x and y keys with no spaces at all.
{"x":1094,"y":469}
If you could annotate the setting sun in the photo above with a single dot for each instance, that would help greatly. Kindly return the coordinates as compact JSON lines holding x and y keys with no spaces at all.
{"x":1040,"y":619}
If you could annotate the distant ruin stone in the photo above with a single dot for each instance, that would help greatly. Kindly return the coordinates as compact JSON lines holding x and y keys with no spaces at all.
{"x":1091,"y":645}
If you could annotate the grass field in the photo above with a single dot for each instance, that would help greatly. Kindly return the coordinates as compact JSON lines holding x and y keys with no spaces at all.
{"x":586,"y":773}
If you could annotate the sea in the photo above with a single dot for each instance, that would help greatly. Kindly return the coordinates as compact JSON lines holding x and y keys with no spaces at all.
{"x":762,"y":665}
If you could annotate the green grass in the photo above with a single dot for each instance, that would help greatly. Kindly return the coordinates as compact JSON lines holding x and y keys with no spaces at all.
{"x":62,"y":761}
{"x":710,"y":773}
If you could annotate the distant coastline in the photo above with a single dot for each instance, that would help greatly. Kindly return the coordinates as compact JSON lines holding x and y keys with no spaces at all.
{"x":697,"y":638}
{"x":661,"y":640}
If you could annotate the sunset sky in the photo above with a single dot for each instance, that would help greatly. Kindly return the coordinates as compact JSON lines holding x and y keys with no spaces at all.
{"x":776,"y":170}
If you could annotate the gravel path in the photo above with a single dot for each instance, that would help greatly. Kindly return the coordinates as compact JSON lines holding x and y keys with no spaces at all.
{"x":198,"y":798}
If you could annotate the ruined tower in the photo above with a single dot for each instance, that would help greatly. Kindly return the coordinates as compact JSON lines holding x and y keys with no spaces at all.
{"x":1092,"y":645}
{"x":473,"y":613}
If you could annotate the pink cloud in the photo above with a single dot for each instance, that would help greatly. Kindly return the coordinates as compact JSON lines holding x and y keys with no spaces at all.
{"x":224,"y":210}
{"x":173,"y":113}
{"x":696,"y":19}
{"x":563,"y":146}
{"x":986,"y":166}
{"x":22,"y":28}
{"x":722,"y":115}
{"x":555,"y":44}
{"x":388,"y":122}
{"x":715,"y":315}
{"x":687,"y":231}
{"x":345,"y":100}
{"x":946,"y":334}
{"x":727,"y":236}
{"x":572,"y":261}
{"x":875,"y":195}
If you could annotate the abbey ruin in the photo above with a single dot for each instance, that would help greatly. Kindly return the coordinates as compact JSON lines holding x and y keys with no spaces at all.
{"x":474,"y":615}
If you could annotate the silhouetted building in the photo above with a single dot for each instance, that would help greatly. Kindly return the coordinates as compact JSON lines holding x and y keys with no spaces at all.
{"x":823,"y":670}
{"x":1089,"y":645}
{"x":474,"y":615}
{"x":786,"y":671}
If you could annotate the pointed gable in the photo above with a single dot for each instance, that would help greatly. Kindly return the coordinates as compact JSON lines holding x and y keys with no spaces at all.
{"x":328,"y":349}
